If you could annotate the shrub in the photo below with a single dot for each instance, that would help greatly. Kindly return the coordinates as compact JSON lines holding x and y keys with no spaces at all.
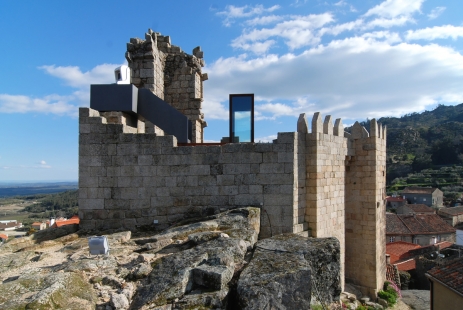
{"x":388,"y":296}
{"x":393,"y":288}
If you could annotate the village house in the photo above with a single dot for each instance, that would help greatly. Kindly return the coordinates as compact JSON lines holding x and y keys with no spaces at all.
{"x":39,"y":225}
{"x":424,"y":195}
{"x":394,"y":202}
{"x":453,"y":216}
{"x":415,"y":209}
{"x":10,"y":225}
{"x":447,"y":285}
{"x":63,"y":222}
{"x":422,"y":229}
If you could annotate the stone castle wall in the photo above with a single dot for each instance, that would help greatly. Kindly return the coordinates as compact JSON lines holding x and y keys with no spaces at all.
{"x":321,"y":182}
{"x":128,"y":178}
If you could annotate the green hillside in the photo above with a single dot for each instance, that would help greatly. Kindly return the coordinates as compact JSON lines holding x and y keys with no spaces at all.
{"x":427,"y":140}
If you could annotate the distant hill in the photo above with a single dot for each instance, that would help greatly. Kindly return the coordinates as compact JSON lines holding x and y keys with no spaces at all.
{"x":21,"y":189}
{"x":417,"y":141}
{"x":420,"y":141}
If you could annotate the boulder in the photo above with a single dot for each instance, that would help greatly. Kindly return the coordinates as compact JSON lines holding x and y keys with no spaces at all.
{"x":48,"y":291}
{"x":174,"y":276}
{"x":288,"y":265}
{"x":275,"y":280}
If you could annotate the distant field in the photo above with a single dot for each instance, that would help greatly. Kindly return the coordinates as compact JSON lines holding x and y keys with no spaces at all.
{"x":33,"y":189}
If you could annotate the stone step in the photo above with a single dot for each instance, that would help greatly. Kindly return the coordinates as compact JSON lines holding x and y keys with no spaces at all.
{"x":305,"y":233}
{"x":300,"y":227}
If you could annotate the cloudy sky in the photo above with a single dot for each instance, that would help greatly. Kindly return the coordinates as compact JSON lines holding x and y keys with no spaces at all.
{"x":350,"y":59}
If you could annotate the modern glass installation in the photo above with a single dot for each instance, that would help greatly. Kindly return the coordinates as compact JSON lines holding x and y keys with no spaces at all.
{"x":242,"y":118}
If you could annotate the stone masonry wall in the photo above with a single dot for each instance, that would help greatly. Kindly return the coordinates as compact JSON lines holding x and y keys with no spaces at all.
{"x":129,"y":179}
{"x":365,"y":209}
{"x":326,"y":151}
{"x":171,"y":74}
{"x":325,"y":183}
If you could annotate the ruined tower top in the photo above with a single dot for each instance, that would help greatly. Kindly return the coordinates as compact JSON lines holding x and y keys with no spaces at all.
{"x":170,"y":74}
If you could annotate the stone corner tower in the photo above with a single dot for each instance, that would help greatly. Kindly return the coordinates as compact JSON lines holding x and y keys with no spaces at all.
{"x":170,"y":74}
{"x":365,"y":208}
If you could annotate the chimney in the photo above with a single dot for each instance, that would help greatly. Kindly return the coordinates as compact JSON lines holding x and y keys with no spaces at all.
{"x":52,"y":221}
{"x":388,"y":259}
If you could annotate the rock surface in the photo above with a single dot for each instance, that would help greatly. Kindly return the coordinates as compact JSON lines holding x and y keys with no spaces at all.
{"x":195,"y":265}
{"x":288,"y":270}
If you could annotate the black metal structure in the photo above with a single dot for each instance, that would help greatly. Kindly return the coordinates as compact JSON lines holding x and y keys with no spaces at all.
{"x":130,"y":99}
{"x":163,"y":115}
{"x":114,"y":97}
{"x":241,"y":117}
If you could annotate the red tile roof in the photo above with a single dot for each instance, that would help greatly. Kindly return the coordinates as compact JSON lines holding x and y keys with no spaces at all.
{"x":394,"y":225}
{"x":444,"y":244}
{"x":73,"y":220}
{"x":450,"y":274}
{"x":3,"y":236}
{"x":422,"y":224}
{"x":418,"y":190}
{"x":398,"y":250}
{"x":417,"y":208}
{"x":406,"y":265}
{"x":452,"y":211}
{"x":36,"y":224}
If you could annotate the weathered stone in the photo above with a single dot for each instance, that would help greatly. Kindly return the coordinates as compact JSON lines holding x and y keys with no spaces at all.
{"x":203,"y":300}
{"x":48,"y":291}
{"x":212,"y":277}
{"x":201,"y":237}
{"x":119,"y":301}
{"x":276,"y":280}
{"x":172,"y":276}
{"x":317,"y":259}
{"x":142,"y":271}
{"x":15,"y":260}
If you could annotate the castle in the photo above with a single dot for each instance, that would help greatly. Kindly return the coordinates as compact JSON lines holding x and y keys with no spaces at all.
{"x":321,"y":182}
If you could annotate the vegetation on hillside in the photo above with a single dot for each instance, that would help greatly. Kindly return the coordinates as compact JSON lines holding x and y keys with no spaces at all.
{"x":425,"y":140}
{"x":47,"y":205}
{"x":448,"y":179}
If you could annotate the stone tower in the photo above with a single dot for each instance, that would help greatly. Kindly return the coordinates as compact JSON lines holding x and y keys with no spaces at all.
{"x":365,"y":208}
{"x":170,"y":74}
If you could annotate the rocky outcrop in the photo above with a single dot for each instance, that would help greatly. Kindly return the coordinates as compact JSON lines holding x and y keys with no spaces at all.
{"x":288,"y":270}
{"x":214,"y":263}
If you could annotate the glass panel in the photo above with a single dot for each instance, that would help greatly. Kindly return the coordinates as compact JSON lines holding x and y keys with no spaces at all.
{"x":241,"y":118}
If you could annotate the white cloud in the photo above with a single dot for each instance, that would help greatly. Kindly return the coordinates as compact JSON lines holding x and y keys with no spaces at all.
{"x":233,"y":12}
{"x":394,"y":8}
{"x":438,"y":32}
{"x":389,"y":37}
{"x":297,"y":31}
{"x":57,"y":104}
{"x":389,"y":22}
{"x":264,"y":20}
{"x":436,"y":12}
{"x":43,"y":164}
{"x":73,"y":76}
{"x":267,"y":139}
{"x":52,"y":104}
{"x":354,"y":78}
{"x":337,"y":29}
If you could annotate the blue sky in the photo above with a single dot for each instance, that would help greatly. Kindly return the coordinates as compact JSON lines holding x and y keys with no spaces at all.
{"x":350,"y":59}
